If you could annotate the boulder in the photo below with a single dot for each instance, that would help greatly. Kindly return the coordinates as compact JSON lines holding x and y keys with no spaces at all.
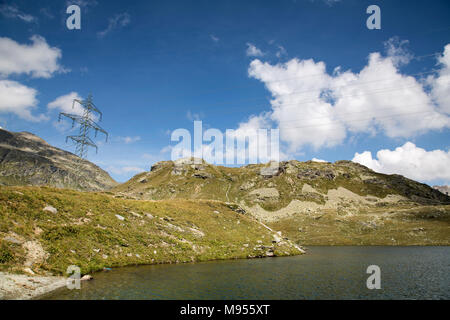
{"x":202,"y":175}
{"x":311,"y":174}
{"x":50,"y":209}
{"x":276,"y":238}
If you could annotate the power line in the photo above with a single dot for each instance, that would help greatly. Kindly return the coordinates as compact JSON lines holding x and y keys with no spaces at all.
{"x":296,"y":104}
{"x":82,"y":140}
{"x":418,"y":58}
{"x":320,"y":90}
{"x":359,"y":112}
{"x":359,"y":120}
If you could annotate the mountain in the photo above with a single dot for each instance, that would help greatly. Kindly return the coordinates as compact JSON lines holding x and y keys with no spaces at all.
{"x":26,"y":159}
{"x":313,"y":203}
{"x":443,"y":189}
{"x":274,"y":187}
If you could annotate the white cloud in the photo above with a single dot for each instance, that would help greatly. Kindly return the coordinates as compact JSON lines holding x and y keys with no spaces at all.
{"x":194,"y":116}
{"x":318,"y":160}
{"x":253,"y":51}
{"x":37,"y":59}
{"x":47,"y":13}
{"x":331,"y":2}
{"x":12,"y":11}
{"x":18,"y":99}
{"x":164,"y":150}
{"x":64,"y":104}
{"x":313,"y":107}
{"x":124,"y":170}
{"x":410,"y":161}
{"x":128,"y":140}
{"x":396,"y":49}
{"x":214,"y":38}
{"x":317,"y":119}
{"x":440,"y":84}
{"x":118,"y":21}
{"x":85,"y":4}
{"x":281,"y":52}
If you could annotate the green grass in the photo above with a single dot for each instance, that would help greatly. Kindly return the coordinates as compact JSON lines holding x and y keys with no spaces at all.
{"x":400,"y":225}
{"x":86,"y":232}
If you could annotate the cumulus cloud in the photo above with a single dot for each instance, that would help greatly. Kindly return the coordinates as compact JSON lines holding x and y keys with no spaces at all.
{"x":64,"y":104}
{"x":396,"y":49}
{"x":12,"y":11}
{"x":440,"y":83}
{"x":318,"y":160}
{"x":255,"y":141}
{"x":250,"y":142}
{"x":410,"y":161}
{"x":118,"y":21}
{"x":316,"y":118}
{"x":37,"y":59}
{"x":315,"y":108}
{"x":18,"y":99}
{"x":253,"y":51}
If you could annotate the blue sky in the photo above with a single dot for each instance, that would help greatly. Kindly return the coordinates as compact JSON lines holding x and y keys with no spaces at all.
{"x":154,"y":66}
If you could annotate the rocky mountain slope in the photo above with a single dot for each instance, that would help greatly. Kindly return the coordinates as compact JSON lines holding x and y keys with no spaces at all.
{"x":310,"y":202}
{"x":26,"y":159}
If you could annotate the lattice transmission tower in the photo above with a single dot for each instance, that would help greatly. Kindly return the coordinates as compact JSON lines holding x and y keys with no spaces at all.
{"x":82,"y":140}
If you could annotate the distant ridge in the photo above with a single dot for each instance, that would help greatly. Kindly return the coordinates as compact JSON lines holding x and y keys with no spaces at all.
{"x":315,"y":184}
{"x":443,"y":189}
{"x":26,"y":159}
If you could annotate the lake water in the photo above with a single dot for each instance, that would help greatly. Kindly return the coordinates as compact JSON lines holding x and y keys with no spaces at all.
{"x":323,"y":273}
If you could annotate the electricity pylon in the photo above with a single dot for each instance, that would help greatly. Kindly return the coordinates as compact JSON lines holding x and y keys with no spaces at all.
{"x":83,"y":141}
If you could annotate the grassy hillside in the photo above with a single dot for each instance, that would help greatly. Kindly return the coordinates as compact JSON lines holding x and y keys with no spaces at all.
{"x":405,"y":224}
{"x":95,"y":230}
{"x":252,"y":184}
{"x":314,"y":203}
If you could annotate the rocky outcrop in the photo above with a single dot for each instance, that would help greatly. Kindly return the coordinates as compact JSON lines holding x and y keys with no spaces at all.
{"x":26,"y":159}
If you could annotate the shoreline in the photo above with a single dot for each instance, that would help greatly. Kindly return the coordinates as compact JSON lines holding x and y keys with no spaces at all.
{"x":30,"y":287}
{"x":27,"y":287}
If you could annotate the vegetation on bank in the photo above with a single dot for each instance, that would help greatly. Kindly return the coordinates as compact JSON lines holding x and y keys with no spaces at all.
{"x":401,"y":225}
{"x":96,"y":230}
